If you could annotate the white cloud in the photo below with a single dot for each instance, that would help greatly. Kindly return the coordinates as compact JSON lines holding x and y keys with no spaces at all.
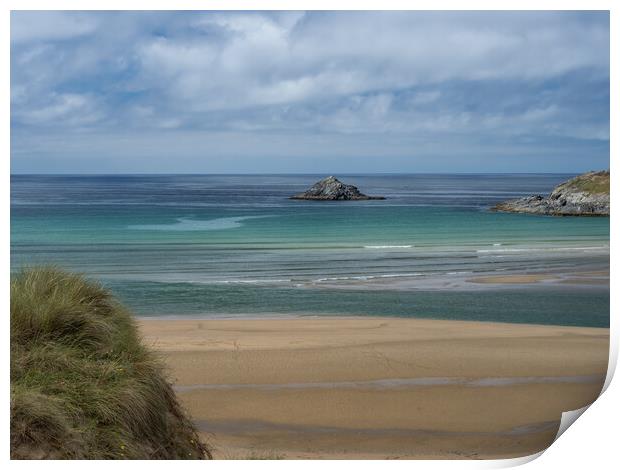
{"x":29,"y":26}
{"x":67,"y":108}
{"x":263,"y":60}
{"x":371,"y":75}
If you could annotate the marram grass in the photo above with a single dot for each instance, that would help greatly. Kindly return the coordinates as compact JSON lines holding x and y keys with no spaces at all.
{"x":83,"y":386}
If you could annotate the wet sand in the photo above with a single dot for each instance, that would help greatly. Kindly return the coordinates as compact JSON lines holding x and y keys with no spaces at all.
{"x":468,"y":281}
{"x":579,"y":279}
{"x":513,"y":279}
{"x":369,"y":387}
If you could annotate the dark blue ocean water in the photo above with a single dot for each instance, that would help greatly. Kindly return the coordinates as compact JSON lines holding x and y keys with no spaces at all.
{"x":236,"y":245}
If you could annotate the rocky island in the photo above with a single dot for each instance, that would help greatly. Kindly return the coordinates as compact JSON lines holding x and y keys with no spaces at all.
{"x":331,"y":189}
{"x":585,"y":195}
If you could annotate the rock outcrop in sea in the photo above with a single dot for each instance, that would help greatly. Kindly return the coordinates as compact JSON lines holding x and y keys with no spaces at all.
{"x":585,"y":195}
{"x":331,"y":189}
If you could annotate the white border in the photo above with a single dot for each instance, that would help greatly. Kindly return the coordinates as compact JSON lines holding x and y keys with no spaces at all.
{"x":589,"y":443}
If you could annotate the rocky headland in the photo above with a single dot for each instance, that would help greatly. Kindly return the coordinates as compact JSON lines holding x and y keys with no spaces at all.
{"x":584,"y":195}
{"x":331,"y":189}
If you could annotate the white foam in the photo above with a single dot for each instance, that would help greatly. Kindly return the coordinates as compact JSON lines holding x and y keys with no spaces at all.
{"x":365,"y":278}
{"x":383,"y":247}
{"x":527,"y":250}
{"x":250,"y":281}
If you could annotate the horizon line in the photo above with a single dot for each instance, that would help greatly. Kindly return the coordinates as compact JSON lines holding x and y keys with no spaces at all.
{"x":313,"y":173}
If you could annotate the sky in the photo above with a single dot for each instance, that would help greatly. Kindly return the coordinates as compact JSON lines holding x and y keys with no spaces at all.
{"x":314,"y":92}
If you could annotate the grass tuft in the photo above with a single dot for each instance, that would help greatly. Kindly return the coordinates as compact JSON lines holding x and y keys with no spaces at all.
{"x":83,"y":386}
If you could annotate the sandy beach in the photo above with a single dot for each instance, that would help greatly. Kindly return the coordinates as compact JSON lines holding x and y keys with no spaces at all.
{"x":371,"y":387}
{"x":600,"y":278}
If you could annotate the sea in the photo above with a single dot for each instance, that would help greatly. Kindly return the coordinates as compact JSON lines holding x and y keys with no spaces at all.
{"x":232,"y":246}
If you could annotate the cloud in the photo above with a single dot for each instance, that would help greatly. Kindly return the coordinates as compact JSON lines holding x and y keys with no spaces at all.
{"x":262,"y":60}
{"x":391,"y":76}
{"x":61,"y":110}
{"x":49,"y":26}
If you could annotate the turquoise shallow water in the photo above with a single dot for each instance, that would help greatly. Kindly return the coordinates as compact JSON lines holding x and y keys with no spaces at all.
{"x":235,"y":245}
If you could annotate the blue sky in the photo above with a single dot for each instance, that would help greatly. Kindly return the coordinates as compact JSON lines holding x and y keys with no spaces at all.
{"x":318,"y":92}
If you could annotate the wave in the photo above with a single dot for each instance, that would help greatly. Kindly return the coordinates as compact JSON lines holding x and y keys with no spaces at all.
{"x":527,"y":250}
{"x":380,"y":247}
{"x":367,"y":277}
{"x":251,"y":281}
{"x":192,"y":225}
{"x":299,"y":282}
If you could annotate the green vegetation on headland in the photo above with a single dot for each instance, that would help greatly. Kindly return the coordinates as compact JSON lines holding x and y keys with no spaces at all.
{"x":590,"y":183}
{"x":585,"y":195}
{"x":83,"y":386}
